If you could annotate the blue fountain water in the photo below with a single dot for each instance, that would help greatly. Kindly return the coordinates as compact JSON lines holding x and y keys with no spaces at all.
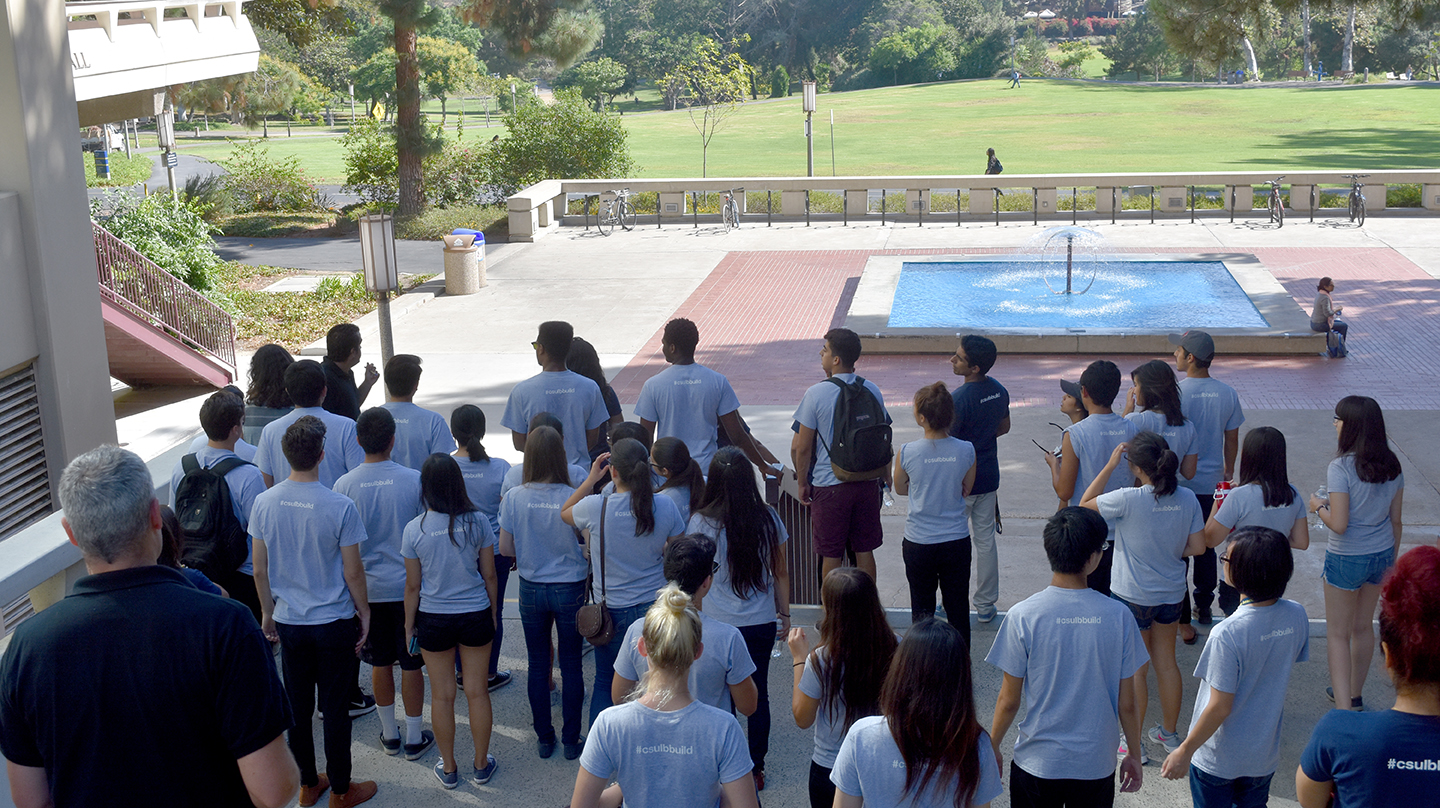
{"x":1125,"y":296}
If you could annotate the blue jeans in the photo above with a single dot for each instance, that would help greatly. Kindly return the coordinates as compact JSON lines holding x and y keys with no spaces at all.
{"x":541,"y":606}
{"x":605,"y":655}
{"x":759,"y":640}
{"x":1209,"y":791}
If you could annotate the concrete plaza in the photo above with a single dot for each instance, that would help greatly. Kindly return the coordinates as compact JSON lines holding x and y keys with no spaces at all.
{"x":763,"y":296}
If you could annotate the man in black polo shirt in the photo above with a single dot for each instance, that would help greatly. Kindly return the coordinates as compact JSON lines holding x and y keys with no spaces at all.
{"x":342,"y":354}
{"x":138,"y":688}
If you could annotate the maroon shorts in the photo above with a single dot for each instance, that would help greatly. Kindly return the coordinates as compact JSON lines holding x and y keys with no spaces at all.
{"x":845,"y":516}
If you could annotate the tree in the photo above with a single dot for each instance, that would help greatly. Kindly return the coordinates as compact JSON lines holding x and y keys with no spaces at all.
{"x":713,"y":86}
{"x":1213,"y":31}
{"x":891,"y":53}
{"x":374,"y":81}
{"x":446,"y":68}
{"x":412,"y":144}
{"x":1138,"y":47}
{"x":299,"y":21}
{"x":779,"y":82}
{"x":595,"y":79}
{"x":565,"y":139}
{"x":270,"y":90}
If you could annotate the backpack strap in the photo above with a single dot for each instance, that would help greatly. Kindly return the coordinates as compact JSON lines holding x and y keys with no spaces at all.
{"x":859,"y":380}
{"x":604,"y":506}
{"x":190,"y":463}
{"x":228,"y":465}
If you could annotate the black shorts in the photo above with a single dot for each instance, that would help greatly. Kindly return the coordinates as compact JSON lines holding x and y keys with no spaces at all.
{"x":386,"y":644}
{"x":442,"y":632}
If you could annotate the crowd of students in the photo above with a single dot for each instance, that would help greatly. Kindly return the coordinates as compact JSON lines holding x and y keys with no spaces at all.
{"x":389,"y":534}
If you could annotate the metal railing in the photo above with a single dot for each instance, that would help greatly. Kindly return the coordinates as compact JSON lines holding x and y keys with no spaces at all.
{"x":143,"y":288}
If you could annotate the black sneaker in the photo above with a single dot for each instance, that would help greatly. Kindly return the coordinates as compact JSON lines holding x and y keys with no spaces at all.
{"x":415,"y":751}
{"x":362,"y":705}
{"x":391,"y":745}
{"x":500,"y":679}
{"x":545,"y":748}
{"x":573,"y":750}
{"x":1204,"y":616}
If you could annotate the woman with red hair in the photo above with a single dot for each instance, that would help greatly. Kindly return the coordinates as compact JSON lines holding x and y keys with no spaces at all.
{"x":1390,"y":757}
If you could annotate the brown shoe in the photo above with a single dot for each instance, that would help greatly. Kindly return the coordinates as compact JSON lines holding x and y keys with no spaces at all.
{"x":358,"y":793}
{"x":309,"y":795}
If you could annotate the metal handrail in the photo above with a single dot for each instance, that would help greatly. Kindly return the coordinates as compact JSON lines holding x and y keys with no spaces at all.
{"x":146,"y":290}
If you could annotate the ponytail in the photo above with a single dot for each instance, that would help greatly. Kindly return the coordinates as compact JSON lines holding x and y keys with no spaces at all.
{"x":632,"y":463}
{"x":1151,"y":454}
{"x":672,"y":636}
{"x":672,"y":455}
{"x":467,"y":426}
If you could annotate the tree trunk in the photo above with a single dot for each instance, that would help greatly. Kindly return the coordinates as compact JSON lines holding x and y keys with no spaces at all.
{"x":1305,"y":24}
{"x":1250,"y":59}
{"x":1347,"y":52}
{"x":443,"y":114}
{"x":407,"y":119}
{"x":288,"y":133}
{"x":265,"y":126}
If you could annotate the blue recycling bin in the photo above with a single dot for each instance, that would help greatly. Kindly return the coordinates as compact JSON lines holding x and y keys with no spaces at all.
{"x":465,"y":231}
{"x":102,"y":164}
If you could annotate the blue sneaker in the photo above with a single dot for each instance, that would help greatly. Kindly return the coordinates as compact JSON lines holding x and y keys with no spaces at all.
{"x":448,"y":780}
{"x":482,"y":776}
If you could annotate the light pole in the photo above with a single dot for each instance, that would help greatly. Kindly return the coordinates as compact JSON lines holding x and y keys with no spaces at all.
{"x":808,"y":100}
{"x":512,"y":98}
{"x":377,"y":255}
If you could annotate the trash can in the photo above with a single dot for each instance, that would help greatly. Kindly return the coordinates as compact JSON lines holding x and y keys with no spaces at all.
{"x":464,"y":262}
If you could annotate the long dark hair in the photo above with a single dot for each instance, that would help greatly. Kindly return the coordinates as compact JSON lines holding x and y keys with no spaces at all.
{"x":1262,"y":462}
{"x":545,"y":458}
{"x":1151,"y":454}
{"x":858,"y":644}
{"x":467,"y":427}
{"x":930,"y":708}
{"x":1159,"y":390}
{"x":732,"y":500}
{"x":630,"y":460}
{"x":584,"y":360}
{"x":267,"y":377}
{"x":1362,"y":434}
{"x":172,"y":539}
{"x":442,"y":487}
{"x":672,"y":455}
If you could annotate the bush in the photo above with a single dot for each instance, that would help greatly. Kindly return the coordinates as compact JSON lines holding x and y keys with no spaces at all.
{"x":372,"y":169}
{"x":257,"y":182}
{"x":1404,"y":196}
{"x":435,"y":223}
{"x":566,"y":139}
{"x":779,"y":82}
{"x":170,"y":232}
{"x":276,"y":225}
{"x":209,"y":195}
{"x":458,"y":175}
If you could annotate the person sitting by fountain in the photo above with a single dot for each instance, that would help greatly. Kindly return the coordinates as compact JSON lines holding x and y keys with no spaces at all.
{"x":1325,"y":317}
{"x":1087,"y":446}
{"x":992,"y":166}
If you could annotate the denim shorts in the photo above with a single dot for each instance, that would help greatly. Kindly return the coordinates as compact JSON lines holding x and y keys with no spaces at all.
{"x":1145,"y":615}
{"x":1350,"y":572}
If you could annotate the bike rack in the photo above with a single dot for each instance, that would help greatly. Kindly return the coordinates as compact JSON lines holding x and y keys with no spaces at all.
{"x":882,"y":206}
{"x":1232,"y":204}
{"x":1192,"y":204}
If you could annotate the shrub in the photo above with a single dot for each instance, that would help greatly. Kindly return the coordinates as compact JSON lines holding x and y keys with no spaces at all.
{"x":779,"y":82}
{"x":566,"y":139}
{"x":257,"y":182}
{"x":1404,"y":196}
{"x":435,"y":223}
{"x":170,"y":232}
{"x":371,"y":166}
{"x":209,"y":195}
{"x":458,"y":174}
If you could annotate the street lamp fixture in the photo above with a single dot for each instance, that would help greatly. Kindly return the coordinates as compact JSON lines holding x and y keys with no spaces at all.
{"x":382,"y":275}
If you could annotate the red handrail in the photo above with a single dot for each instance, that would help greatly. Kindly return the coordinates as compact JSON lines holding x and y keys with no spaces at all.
{"x":145,"y":289}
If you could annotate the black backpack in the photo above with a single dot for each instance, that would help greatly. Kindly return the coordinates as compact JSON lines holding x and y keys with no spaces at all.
{"x":860,"y":444}
{"x":214,"y":539}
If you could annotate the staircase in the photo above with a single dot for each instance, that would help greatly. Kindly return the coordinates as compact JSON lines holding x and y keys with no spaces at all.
{"x":157,"y":329}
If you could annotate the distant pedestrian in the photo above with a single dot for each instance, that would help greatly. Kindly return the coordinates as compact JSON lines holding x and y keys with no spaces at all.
{"x":993,"y":166}
{"x":1014,"y":81}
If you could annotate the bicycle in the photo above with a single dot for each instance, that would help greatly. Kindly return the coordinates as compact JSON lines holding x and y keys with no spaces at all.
{"x":1357,"y":199}
{"x":729,"y":210}
{"x":1276,"y":205}
{"x":616,"y":211}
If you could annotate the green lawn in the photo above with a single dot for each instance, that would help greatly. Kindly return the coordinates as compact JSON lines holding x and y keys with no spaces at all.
{"x":1043,"y":127}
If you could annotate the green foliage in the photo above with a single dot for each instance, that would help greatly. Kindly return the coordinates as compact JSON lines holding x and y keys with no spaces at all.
{"x":270,"y":90}
{"x":446,"y":68}
{"x":712,"y":85}
{"x":299,"y":21}
{"x":523,"y":95}
{"x":566,"y":139}
{"x":172,"y":233}
{"x":457,"y":175}
{"x":1139,"y":47}
{"x":257,"y":182}
{"x":595,"y":79}
{"x":434,"y":223}
{"x":1404,"y":196}
{"x":268,"y":224}
{"x":779,"y":82}
{"x":371,"y":165}
{"x":563,"y":30}
{"x":375,"y":79}
{"x":123,"y":170}
{"x":1211,"y":31}
{"x":1072,"y":56}
{"x":209,"y":195}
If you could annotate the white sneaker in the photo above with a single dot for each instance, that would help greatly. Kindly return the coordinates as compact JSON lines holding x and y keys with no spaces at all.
{"x":1170,"y":741}
{"x":1124,"y":751}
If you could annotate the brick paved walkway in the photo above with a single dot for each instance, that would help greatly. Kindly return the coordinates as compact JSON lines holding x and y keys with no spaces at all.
{"x":762,"y":314}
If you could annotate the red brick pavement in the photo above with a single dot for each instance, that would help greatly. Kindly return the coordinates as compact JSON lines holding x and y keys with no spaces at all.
{"x":762,"y":316}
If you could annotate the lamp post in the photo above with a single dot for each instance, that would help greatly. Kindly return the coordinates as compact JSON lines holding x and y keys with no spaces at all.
{"x":377,"y":255}
{"x":808,"y":96}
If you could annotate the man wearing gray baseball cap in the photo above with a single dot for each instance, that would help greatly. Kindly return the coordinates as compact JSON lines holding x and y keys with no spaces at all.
{"x":1214,"y":408}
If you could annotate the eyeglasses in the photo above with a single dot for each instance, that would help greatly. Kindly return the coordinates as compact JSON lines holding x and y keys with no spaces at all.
{"x":1335,"y":419}
{"x":714,"y":567}
{"x":535,"y":345}
{"x":1225,"y":559}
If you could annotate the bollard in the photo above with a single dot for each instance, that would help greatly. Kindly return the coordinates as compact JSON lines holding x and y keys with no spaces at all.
{"x":1074,"y":205}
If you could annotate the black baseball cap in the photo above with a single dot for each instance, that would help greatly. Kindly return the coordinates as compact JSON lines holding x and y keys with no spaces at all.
{"x":1196,"y":343}
{"x":1070,"y":388}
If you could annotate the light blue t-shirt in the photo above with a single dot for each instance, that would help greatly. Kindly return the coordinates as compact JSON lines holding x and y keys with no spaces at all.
{"x":634,"y":565}
{"x":817,"y":411}
{"x":565,"y":394}
{"x":937,"y":471}
{"x":304,"y":525}
{"x":1249,"y":655}
{"x":1073,"y":648}
{"x":723,"y":603}
{"x":870,"y":766}
{"x":1369,"y":530}
{"x":388,"y":497}
{"x":1214,"y":407}
{"x":674,"y":759}
{"x":1181,"y":439}
{"x":1150,"y":536}
{"x":419,"y":433}
{"x":1245,"y":506}
{"x":450,"y":579}
{"x":245,"y":485}
{"x":1093,"y":440}
{"x":484,"y":480}
{"x":680,"y":495}
{"x":724,"y":661}
{"x":342,"y":452}
{"x":829,"y":724}
{"x":547,"y":551}
{"x":686,"y":402}
{"x":243,"y":450}
{"x":516,"y":473}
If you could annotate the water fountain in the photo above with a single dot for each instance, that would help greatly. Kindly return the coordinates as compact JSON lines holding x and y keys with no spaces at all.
{"x":1090,"y":241}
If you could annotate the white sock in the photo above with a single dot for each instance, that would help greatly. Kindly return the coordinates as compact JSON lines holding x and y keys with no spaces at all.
{"x":412,"y":728}
{"x":388,"y":730}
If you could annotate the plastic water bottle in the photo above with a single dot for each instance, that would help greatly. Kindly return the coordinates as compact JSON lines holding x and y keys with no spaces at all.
{"x":887,"y":498}
{"x":1321,"y":493}
{"x":1222,"y":490}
